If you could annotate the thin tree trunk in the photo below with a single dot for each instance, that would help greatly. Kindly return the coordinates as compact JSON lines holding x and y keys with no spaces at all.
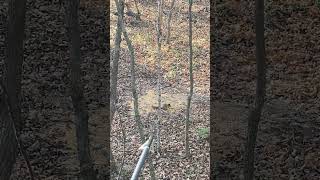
{"x":115,"y":64}
{"x":213,"y":81}
{"x":215,"y":55}
{"x":12,"y":81}
{"x":169,"y":22}
{"x":138,"y":12}
{"x":114,"y":73}
{"x":124,"y":146}
{"x":254,"y":117}
{"x":133,"y":85}
{"x":159,"y":33}
{"x":191,"y":81}
{"x":106,"y":32}
{"x":87,"y":171}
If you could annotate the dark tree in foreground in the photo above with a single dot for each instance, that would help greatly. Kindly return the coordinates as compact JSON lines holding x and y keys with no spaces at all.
{"x":255,"y":114}
{"x":10,"y":111}
{"x":87,"y":171}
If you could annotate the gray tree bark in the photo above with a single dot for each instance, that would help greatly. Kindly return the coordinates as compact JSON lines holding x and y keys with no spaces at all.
{"x":169,"y":22}
{"x":191,"y":81}
{"x":115,"y":63}
{"x":133,"y":86}
{"x":114,"y":73}
{"x":255,"y":114}
{"x":215,"y":87}
{"x":159,"y":74}
{"x":12,"y":82}
{"x":87,"y":171}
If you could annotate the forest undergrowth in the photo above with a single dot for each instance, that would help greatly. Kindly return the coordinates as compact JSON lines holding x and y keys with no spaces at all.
{"x":288,"y":136}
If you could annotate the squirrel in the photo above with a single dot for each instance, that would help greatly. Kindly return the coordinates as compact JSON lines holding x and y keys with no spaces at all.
{"x":164,"y":107}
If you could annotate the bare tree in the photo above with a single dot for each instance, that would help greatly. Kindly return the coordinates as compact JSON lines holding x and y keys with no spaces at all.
{"x":79,"y":104}
{"x":169,"y":21}
{"x":123,"y":143}
{"x":159,"y":33}
{"x":133,"y":78}
{"x":10,"y":110}
{"x":138,"y":12}
{"x":255,"y":114}
{"x":133,"y":85}
{"x":114,"y":71}
{"x":191,"y":81}
{"x":115,"y":64}
{"x":213,"y":80}
{"x":216,"y":61}
{"x":106,"y":31}
{"x":130,"y":12}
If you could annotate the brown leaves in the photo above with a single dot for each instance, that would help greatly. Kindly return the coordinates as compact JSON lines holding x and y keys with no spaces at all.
{"x":292,"y":74}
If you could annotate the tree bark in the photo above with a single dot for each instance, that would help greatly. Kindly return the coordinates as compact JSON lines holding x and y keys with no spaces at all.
{"x":8,"y":143}
{"x":115,"y":63}
{"x":191,"y":81}
{"x":169,"y":22}
{"x":12,"y":81}
{"x":133,"y":86}
{"x":133,"y":79}
{"x":114,"y":72}
{"x":106,"y":32}
{"x":215,"y":52}
{"x":87,"y":171}
{"x":159,"y":75}
{"x":254,"y":117}
{"x":214,"y":89}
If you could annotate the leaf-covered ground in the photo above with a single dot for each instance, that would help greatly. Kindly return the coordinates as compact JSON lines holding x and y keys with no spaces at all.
{"x":288,"y":140}
{"x":171,"y":163}
{"x":48,"y":135}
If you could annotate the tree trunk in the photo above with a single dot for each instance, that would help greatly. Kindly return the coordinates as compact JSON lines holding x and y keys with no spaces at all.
{"x":106,"y":32}
{"x":133,"y":79}
{"x":115,"y":63}
{"x":215,"y":52}
{"x":169,"y":22}
{"x":254,"y":117}
{"x":138,"y":12}
{"x":133,"y":86}
{"x":114,"y":73}
{"x":191,"y":81}
{"x":159,"y":33}
{"x":12,"y":81}
{"x":80,"y":107}
{"x":8,"y":143}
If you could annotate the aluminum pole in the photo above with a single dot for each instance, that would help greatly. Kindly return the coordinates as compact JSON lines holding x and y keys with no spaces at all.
{"x":142,"y":159}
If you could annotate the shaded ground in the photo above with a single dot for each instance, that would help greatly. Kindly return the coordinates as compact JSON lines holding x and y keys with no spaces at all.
{"x":288,"y":140}
{"x":46,"y":106}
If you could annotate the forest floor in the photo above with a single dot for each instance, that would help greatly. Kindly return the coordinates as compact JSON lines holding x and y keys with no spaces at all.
{"x":289,"y":138}
{"x":49,"y":133}
{"x":171,"y":163}
{"x":48,"y":136}
{"x":288,"y":143}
